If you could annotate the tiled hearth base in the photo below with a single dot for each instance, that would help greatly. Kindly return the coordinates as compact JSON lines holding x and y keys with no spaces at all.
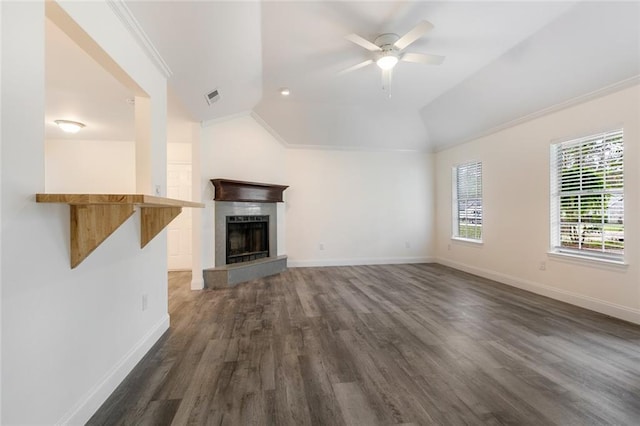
{"x":230,"y":275}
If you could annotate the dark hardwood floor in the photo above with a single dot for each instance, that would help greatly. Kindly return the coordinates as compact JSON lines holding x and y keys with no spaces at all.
{"x":369,"y":345}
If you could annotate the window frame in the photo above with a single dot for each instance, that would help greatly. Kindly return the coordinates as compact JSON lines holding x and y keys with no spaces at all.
{"x":591,"y":144}
{"x":455,"y":202}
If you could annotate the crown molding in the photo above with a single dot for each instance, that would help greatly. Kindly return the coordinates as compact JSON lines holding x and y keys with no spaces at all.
{"x":270,"y":129}
{"x":207,"y":123}
{"x":133,"y":26}
{"x":288,"y":145}
{"x":598,"y":93}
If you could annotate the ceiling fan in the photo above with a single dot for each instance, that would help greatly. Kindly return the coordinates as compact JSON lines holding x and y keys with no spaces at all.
{"x":388,"y":50}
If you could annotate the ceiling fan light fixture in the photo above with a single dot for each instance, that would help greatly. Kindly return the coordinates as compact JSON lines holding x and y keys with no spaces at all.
{"x":69,"y":126}
{"x":387,"y":61}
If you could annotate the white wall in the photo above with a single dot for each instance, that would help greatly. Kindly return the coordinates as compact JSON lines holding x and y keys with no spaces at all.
{"x":363,"y":206}
{"x":179,"y":153}
{"x":69,"y":336}
{"x":91,"y":167}
{"x":516,"y":208}
{"x":241,"y":149}
{"x":197,"y":185}
{"x":1,"y":133}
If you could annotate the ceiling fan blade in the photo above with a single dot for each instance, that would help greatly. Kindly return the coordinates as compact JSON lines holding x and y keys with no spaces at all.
{"x":355,"y":38}
{"x":356,"y":67}
{"x":422,"y":58}
{"x":418,"y":31}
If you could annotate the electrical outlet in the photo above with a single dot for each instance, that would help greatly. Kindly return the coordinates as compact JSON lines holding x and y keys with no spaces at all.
{"x":543,"y":266}
{"x":145,"y":301}
{"x":407,"y":244}
{"x":321,"y":246}
{"x":449,"y":247}
{"x":158,"y":190}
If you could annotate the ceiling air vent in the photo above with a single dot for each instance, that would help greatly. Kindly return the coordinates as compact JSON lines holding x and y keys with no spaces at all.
{"x":212,"y":96}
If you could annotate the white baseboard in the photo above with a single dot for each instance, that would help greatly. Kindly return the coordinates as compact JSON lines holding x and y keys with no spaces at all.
{"x":591,"y":303}
{"x":197,"y":284}
{"x":293,"y":263}
{"x":96,"y":396}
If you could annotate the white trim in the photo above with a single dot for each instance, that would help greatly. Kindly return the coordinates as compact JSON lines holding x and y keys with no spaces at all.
{"x":241,"y":114}
{"x":179,"y":163}
{"x":592,"y":143}
{"x":293,"y":263}
{"x":1,"y":223}
{"x":207,"y":123}
{"x":603,"y":91}
{"x":467,"y":240}
{"x":197,"y":283}
{"x":288,"y":145}
{"x":133,"y":26}
{"x":98,"y":394}
{"x":595,"y":131}
{"x":197,"y":279}
{"x":455,"y":200}
{"x":577,"y":258}
{"x":270,"y":129}
{"x":591,"y":303}
{"x":355,"y":148}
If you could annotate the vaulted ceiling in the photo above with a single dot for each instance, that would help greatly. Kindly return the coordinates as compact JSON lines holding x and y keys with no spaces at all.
{"x":504,"y":61}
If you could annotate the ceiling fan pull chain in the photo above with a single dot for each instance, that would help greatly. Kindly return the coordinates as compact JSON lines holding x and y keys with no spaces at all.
{"x":386,"y":82}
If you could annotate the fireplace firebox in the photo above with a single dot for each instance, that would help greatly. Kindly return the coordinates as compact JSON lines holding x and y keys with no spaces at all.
{"x":247,"y":238}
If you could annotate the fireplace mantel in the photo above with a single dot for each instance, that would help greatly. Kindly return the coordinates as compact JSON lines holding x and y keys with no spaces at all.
{"x":236,"y":190}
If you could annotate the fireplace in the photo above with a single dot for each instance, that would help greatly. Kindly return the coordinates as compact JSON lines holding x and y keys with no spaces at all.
{"x":245,"y":233}
{"x":247,"y":238}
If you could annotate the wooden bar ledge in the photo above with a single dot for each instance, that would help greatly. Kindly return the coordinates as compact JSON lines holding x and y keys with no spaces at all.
{"x":96,"y":216}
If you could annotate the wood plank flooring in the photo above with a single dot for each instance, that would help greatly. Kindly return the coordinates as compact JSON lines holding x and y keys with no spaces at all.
{"x":380,"y":345}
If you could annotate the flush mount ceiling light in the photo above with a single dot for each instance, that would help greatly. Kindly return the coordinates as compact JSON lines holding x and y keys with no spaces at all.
{"x":69,"y":126}
{"x":387,"y":60}
{"x":285,"y":91}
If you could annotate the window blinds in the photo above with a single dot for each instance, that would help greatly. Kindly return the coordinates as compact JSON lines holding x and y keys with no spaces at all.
{"x":588,"y":197}
{"x":468,"y":195}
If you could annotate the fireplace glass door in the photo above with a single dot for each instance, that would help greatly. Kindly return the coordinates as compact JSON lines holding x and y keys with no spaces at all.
{"x":247,"y":238}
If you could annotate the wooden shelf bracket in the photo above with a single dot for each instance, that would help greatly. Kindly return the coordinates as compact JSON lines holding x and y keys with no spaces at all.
{"x":155,"y":219}
{"x":96,"y":216}
{"x":91,"y":224}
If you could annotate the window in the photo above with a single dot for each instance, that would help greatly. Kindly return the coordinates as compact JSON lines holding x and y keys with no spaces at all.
{"x":467,"y":201}
{"x":587,"y":196}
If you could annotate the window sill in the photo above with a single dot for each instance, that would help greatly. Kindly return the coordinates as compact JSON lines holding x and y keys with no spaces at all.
{"x":467,"y":240}
{"x":588,"y":260}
